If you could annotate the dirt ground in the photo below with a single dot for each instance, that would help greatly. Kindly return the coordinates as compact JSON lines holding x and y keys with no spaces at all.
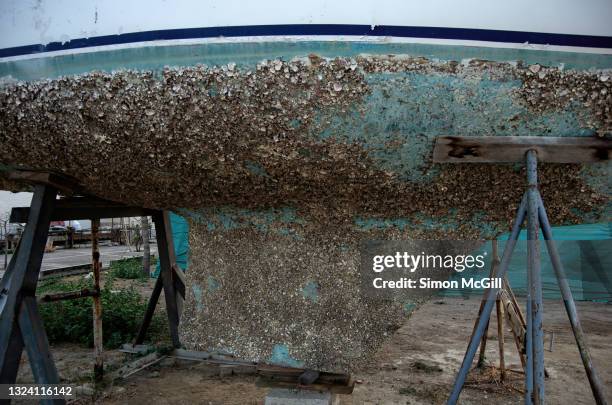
{"x":416,"y":366}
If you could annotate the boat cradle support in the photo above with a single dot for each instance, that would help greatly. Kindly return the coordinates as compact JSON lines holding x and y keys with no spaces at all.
{"x":531,"y":150}
{"x":21,"y":326}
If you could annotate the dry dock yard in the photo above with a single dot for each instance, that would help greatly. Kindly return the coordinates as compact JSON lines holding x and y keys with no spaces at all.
{"x":416,"y":366}
{"x":373,"y":202}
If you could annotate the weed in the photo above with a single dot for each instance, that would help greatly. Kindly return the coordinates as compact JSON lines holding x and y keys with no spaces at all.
{"x":129,"y":268}
{"x":72,"y":320}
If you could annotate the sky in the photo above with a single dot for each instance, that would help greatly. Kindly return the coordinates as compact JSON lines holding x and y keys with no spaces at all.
{"x":9,"y":200}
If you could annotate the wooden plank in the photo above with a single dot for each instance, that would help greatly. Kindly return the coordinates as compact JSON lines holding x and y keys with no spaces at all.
{"x":285,"y":377}
{"x":500,"y":339}
{"x":293,"y":374}
{"x":270,"y":375}
{"x":165,"y":250}
{"x":67,"y":213}
{"x":10,"y":367}
{"x":69,"y":295}
{"x":517,"y":325}
{"x":179,"y":280}
{"x":60,"y":182}
{"x":148,"y":315}
{"x":510,"y":149}
{"x":37,"y":345}
{"x":216,"y":358}
{"x":24,"y":275}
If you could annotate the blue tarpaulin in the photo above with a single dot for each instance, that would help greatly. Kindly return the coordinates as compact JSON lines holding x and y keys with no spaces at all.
{"x":180,"y":236}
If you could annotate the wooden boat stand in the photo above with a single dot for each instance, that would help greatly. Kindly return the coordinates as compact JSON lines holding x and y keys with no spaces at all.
{"x":530,"y":150}
{"x":507,"y":308}
{"x":21,"y":326}
{"x":20,"y":322}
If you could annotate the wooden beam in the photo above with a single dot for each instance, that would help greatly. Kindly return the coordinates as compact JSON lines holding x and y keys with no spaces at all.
{"x":284,"y":377}
{"x":37,"y":345}
{"x":24,"y":272}
{"x":148,"y":315}
{"x":57,"y":181}
{"x":165,"y":251}
{"x":510,"y":149}
{"x":179,"y":280}
{"x":179,"y":285}
{"x":69,"y":295}
{"x":10,"y":368}
{"x":20,"y":323}
{"x":72,"y":208}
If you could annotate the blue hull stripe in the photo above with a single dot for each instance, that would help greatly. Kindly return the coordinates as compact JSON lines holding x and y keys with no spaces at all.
{"x":321,"y":29}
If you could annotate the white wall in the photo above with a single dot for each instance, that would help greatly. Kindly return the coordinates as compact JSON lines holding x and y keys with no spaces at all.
{"x":27,"y":22}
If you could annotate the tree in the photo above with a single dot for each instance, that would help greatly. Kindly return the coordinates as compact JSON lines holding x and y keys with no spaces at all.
{"x":146,"y":248}
{"x":4,"y":221}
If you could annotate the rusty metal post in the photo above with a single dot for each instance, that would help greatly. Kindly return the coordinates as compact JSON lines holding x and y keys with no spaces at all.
{"x":97,"y":303}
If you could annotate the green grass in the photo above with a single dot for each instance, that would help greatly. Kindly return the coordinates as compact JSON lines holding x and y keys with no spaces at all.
{"x":72,"y":320}
{"x":129,"y":268}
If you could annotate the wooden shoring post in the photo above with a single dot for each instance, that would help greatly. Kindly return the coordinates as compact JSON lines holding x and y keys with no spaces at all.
{"x":97,"y":303}
{"x":483,"y":347}
{"x":20,"y":323}
{"x":483,"y":343}
{"x":500,"y":338}
{"x":69,"y":295}
{"x":490,"y":295}
{"x":179,"y":286}
{"x":500,"y":314}
{"x":165,"y":249}
{"x":148,"y":315}
{"x":516,"y":326}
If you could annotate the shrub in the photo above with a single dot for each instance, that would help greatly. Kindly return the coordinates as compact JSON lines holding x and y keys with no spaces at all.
{"x":72,"y":320}
{"x":129,"y":268}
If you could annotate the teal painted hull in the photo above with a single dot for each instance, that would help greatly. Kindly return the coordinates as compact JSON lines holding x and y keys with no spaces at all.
{"x":285,"y":167}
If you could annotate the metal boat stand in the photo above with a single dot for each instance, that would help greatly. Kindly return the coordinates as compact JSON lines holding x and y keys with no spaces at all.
{"x":531,"y":208}
{"x":21,"y":326}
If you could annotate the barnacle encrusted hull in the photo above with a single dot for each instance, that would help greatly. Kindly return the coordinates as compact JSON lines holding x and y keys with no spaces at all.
{"x":285,"y":290}
{"x":283,"y":167}
{"x":347,"y":138}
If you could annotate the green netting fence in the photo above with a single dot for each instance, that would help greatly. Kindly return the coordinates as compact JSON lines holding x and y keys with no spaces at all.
{"x":586,"y":254}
